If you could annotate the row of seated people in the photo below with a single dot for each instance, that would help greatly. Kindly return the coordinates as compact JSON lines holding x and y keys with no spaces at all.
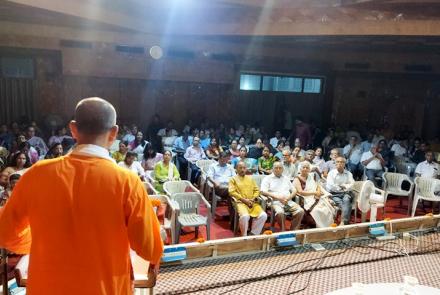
{"x":315,"y":204}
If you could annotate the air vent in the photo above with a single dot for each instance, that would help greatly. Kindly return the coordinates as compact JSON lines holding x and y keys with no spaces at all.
{"x":418,"y":68}
{"x":357,"y":66}
{"x":76,"y":44}
{"x":223,"y":56}
{"x":180,"y":53}
{"x":130,"y":49}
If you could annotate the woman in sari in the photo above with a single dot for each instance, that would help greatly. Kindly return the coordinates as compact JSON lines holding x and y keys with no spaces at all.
{"x":316,"y":202}
{"x":214,"y":149}
{"x":165,"y":171}
{"x":138,"y":145}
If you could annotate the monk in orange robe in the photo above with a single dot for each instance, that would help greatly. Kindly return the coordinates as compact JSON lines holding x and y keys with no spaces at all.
{"x":79,"y":215}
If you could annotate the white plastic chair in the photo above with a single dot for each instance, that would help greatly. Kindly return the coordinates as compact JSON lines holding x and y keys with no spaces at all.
{"x":170,"y":214}
{"x":150,"y":188}
{"x":178,"y":186}
{"x":393,"y":186}
{"x":203,"y":165}
{"x":425,"y":189}
{"x":188,"y":213}
{"x":149,"y":175}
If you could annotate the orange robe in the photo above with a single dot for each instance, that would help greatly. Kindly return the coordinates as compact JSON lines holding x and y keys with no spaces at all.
{"x":84,"y":214}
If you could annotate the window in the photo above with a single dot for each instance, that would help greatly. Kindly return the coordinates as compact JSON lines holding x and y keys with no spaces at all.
{"x":12,"y":67}
{"x":287,"y":84}
{"x":250,"y":82}
{"x":312,"y":85}
{"x":298,"y":84}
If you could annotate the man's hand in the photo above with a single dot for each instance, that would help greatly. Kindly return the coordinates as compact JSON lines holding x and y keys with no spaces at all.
{"x":247,"y":202}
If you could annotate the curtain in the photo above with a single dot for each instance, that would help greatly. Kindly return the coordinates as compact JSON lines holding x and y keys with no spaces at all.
{"x":16,"y":99}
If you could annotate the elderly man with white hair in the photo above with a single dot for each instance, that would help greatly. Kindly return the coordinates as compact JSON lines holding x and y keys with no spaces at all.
{"x":339,"y":183}
{"x":280,"y":189}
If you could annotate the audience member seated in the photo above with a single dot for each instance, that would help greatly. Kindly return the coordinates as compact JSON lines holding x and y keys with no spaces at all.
{"x":339,"y":184}
{"x":138,"y":145}
{"x":180,"y":145}
{"x":233,"y":149}
{"x":419,"y":154}
{"x":256,"y":150}
{"x":289,"y":167}
{"x":119,"y":155}
{"x":55,"y":151}
{"x":242,"y":142}
{"x":265,"y":162}
{"x":61,"y":133}
{"x":131,"y":164}
{"x":399,"y":148}
{"x":315,"y":203}
{"x":244,"y":193}
{"x":251,"y":164}
{"x":296,"y":158}
{"x":214,"y":149}
{"x":373,"y":163}
{"x":279,"y":148}
{"x":428,"y":168}
{"x":274,"y":140}
{"x":297,"y":144}
{"x":386,"y":153}
{"x":415,"y":147}
{"x":219,"y":175}
{"x":19,"y":164}
{"x":318,"y":160}
{"x":309,"y":156}
{"x":6,"y":194}
{"x":168,"y":140}
{"x":36,"y":142}
{"x":231,"y":135}
{"x":330,"y":164}
{"x":151,"y":158}
{"x":281,"y":190}
{"x":192,"y":155}
{"x":205,"y":140}
{"x":165,"y":171}
{"x":353,"y":153}
{"x":366,"y":144}
{"x":167,"y":131}
{"x":130,"y":134}
{"x":4,"y":180}
{"x":6,"y":137}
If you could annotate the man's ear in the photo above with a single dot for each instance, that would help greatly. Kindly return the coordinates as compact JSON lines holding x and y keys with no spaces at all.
{"x":73,"y":129}
{"x":113,"y":133}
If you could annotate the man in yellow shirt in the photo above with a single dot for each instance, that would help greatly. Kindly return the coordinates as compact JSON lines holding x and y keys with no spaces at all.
{"x":84,"y":212}
{"x":244,"y":191}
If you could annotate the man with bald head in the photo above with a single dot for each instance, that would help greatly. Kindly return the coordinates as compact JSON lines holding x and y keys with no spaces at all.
{"x":244,"y":193}
{"x":84,"y":212}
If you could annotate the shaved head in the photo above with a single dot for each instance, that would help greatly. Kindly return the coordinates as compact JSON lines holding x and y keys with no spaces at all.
{"x":94,"y":116}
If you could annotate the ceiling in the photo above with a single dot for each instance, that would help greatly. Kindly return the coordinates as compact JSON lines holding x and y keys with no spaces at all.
{"x":234,"y":17}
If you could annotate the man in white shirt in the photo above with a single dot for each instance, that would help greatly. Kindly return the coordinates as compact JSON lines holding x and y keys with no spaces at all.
{"x":168,"y":131}
{"x":428,"y":168}
{"x":339,"y":183}
{"x":330,"y":164}
{"x":132,"y":165}
{"x":274,"y":140}
{"x":353,"y":153}
{"x":289,"y":168}
{"x":192,"y":155}
{"x":220,"y":173}
{"x":373,"y":163}
{"x":281,"y":190}
{"x":398,"y":148}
